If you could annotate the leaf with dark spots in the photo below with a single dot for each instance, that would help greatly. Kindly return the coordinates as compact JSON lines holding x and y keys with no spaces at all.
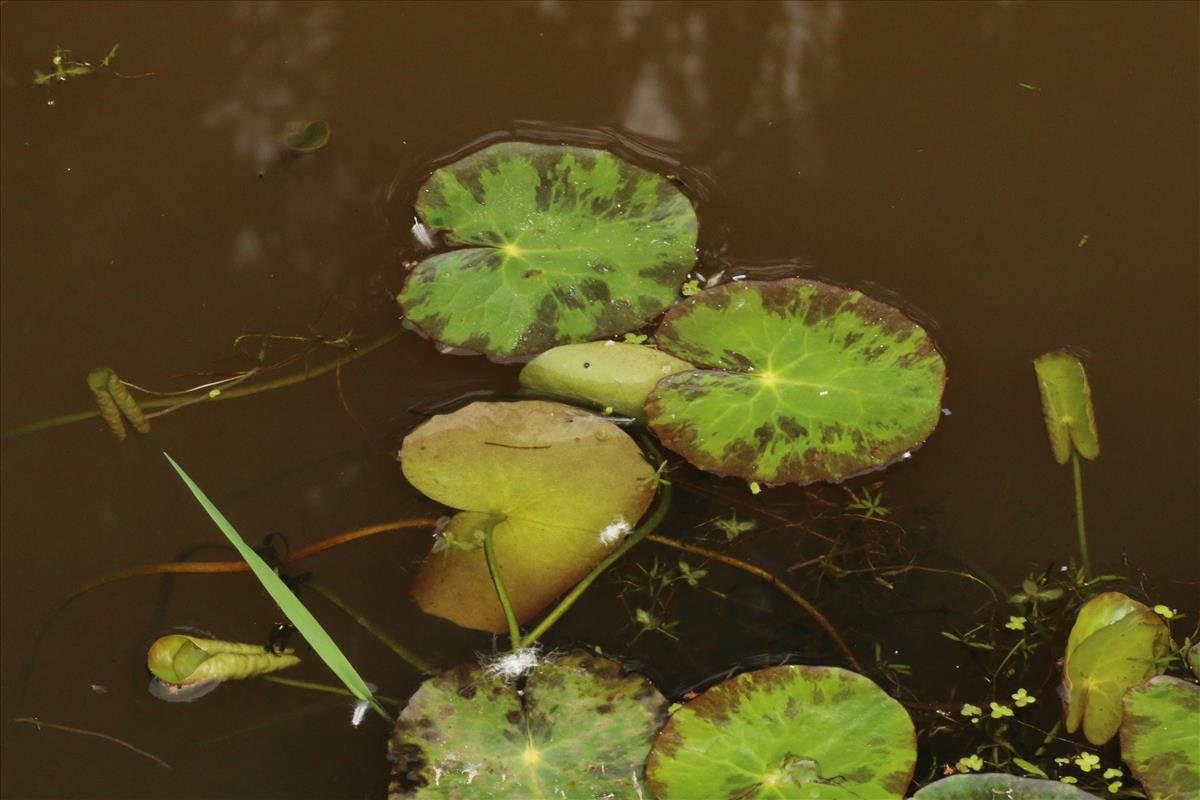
{"x":858,"y":382}
{"x":1160,"y":737}
{"x":995,"y":786}
{"x":594,"y":230}
{"x":786,"y":732}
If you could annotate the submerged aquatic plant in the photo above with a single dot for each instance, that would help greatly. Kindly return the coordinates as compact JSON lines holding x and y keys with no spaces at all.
{"x":65,"y":69}
{"x":561,"y":244}
{"x":116,"y":403}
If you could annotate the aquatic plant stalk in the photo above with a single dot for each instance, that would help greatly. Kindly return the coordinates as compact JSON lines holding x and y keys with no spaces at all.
{"x":39,"y":724}
{"x":244,"y":391}
{"x":287,"y":601}
{"x":1079,"y":524}
{"x":327,"y":688}
{"x":652,"y":521}
{"x":795,"y":596}
{"x":412,"y":658}
{"x":489,"y":552}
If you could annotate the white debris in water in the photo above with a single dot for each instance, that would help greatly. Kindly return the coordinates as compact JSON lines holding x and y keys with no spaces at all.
{"x":471,"y":772}
{"x":437,"y":776}
{"x":906,"y":455}
{"x":358,"y":713}
{"x":666,"y":369}
{"x":511,"y":666}
{"x":945,"y":412}
{"x":421,"y":234}
{"x":609,"y":343}
{"x":711,"y":282}
{"x":823,"y":392}
{"x":615,"y":531}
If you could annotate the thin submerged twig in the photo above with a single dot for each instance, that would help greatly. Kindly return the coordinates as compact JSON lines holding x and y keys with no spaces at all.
{"x":39,"y":724}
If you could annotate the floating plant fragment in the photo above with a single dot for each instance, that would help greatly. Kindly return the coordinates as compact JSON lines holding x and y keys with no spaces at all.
{"x":557,"y":486}
{"x":578,"y":727}
{"x":1160,"y":737}
{"x":303,"y":136}
{"x":798,"y":381}
{"x":562,"y":244}
{"x":606,"y":374}
{"x":116,"y":403}
{"x":179,"y":661}
{"x":786,"y":732}
{"x":1115,"y":643}
{"x":995,"y":786}
{"x":1067,"y":405}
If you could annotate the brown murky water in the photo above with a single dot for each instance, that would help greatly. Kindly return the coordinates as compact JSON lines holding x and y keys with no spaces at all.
{"x":147,"y":223}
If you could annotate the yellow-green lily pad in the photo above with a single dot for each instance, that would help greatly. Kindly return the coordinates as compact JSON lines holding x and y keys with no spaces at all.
{"x":1067,"y":405}
{"x":558,"y":487}
{"x":559,"y":244}
{"x":579,"y":727}
{"x":1116,"y":643}
{"x":606,"y":374}
{"x":996,"y":786}
{"x":1160,"y":737}
{"x":786,"y":732}
{"x":797,"y":381}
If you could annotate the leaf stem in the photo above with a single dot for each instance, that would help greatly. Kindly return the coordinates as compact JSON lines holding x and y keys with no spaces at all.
{"x":651,"y":522}
{"x":489,"y":552}
{"x":245,"y":391}
{"x":412,"y":658}
{"x":795,"y":596}
{"x":1079,"y":525}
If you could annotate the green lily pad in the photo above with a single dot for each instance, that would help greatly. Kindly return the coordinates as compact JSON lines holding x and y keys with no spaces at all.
{"x":307,"y":137}
{"x":993,"y":786}
{"x":1067,"y":405}
{"x":1113,"y":645}
{"x":801,"y":382}
{"x":563,"y":244}
{"x":581,"y":729}
{"x":606,"y":374}
{"x":786,"y":732}
{"x":559,"y":488}
{"x":1160,"y":737}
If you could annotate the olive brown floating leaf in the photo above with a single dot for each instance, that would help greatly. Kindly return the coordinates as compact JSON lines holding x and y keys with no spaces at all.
{"x":557,"y":487}
{"x":797,"y":381}
{"x":560,"y":244}
{"x":578,"y":727}
{"x":1160,"y":737}
{"x":786,"y":732}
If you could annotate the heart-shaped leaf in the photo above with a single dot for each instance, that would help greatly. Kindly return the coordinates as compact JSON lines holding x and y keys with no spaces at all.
{"x":804,"y":382}
{"x":1116,"y":643}
{"x":1160,"y":737}
{"x":559,"y":488}
{"x":563,"y":244}
{"x":786,"y":732}
{"x":994,"y":786}
{"x":606,"y":374}
{"x":579,"y":727}
{"x":1067,"y":405}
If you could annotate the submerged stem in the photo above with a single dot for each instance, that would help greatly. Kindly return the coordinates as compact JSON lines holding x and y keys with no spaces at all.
{"x":651,"y":522}
{"x":1079,"y":526}
{"x":412,"y":658}
{"x":795,"y":596}
{"x":245,"y":391}
{"x":489,"y":552}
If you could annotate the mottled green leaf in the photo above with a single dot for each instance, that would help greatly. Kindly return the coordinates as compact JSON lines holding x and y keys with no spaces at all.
{"x":1067,"y":405}
{"x":1193,"y":659}
{"x":307,"y":137}
{"x":1113,"y":645}
{"x":786,"y":732}
{"x":562,"y":244}
{"x":558,"y":486}
{"x":801,"y":382}
{"x":606,"y":374}
{"x":994,"y":786}
{"x":581,"y":729}
{"x":1160,"y":737}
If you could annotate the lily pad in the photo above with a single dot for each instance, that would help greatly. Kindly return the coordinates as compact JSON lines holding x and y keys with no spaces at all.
{"x":801,"y":381}
{"x":307,"y":137}
{"x":606,"y":374}
{"x":991,"y":786}
{"x":786,"y":732}
{"x":559,"y":487}
{"x":579,"y":727}
{"x":1160,"y":737}
{"x":1193,"y":659}
{"x":1067,"y":405}
{"x":1114,"y":644}
{"x":563,"y":244}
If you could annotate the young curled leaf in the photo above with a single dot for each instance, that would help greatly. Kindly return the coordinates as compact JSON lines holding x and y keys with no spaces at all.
{"x":184,"y":660}
{"x":98,"y":382}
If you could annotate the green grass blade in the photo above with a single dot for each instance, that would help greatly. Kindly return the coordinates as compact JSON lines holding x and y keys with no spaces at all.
{"x":291,"y":606}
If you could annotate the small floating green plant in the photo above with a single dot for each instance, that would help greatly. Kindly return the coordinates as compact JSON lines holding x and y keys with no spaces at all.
{"x":65,"y":69}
